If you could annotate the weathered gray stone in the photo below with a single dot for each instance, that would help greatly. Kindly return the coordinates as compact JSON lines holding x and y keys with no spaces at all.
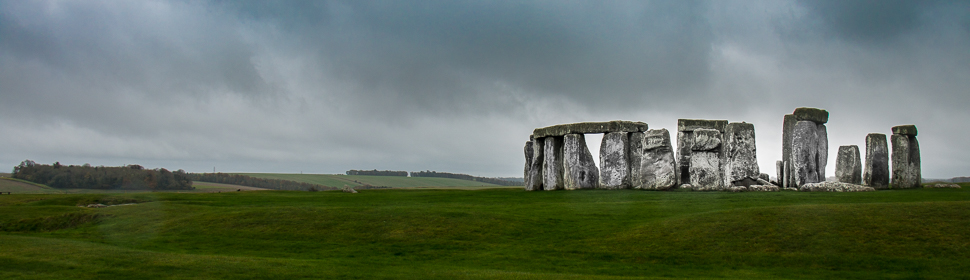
{"x":765,"y":177}
{"x":685,"y":139}
{"x":579,"y":170}
{"x":657,"y":164}
{"x":788,"y":126}
{"x":815,"y":115}
{"x":705,"y":171}
{"x":691,"y":125}
{"x":848,"y":166}
{"x":906,"y":163}
{"x":636,"y":157}
{"x":834,"y":187}
{"x":528,"y":163}
{"x":589,"y":127}
{"x":534,"y":179}
{"x":741,"y":154}
{"x":552,"y":163}
{"x":706,"y":139}
{"x":805,"y":153}
{"x":943,"y":186}
{"x":763,"y":188}
{"x":876,"y":171}
{"x":780,"y":171}
{"x":823,"y":151}
{"x":614,"y":161}
{"x":905,"y":130}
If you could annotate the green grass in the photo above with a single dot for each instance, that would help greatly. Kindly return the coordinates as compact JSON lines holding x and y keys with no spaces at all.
{"x":336,"y":180}
{"x":489,"y":234}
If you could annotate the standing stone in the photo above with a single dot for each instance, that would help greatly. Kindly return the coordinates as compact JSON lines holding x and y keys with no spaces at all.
{"x":848,"y":166}
{"x":705,"y":171}
{"x":741,"y":155}
{"x":786,"y":136}
{"x":906,"y":161}
{"x":705,"y":163}
{"x":614,"y":161}
{"x":534,"y":179}
{"x":876,"y":173}
{"x":636,"y":157}
{"x":579,"y":170}
{"x":780,"y":170}
{"x":804,"y":153}
{"x":685,"y":138}
{"x":657,"y":164}
{"x":528,"y":163}
{"x":552,"y":164}
{"x":823,"y":150}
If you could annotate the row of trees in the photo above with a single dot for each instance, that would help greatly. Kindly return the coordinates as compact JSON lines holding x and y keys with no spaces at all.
{"x":130,"y":177}
{"x":249,"y":181}
{"x":496,"y":181}
{"x":375,"y":172}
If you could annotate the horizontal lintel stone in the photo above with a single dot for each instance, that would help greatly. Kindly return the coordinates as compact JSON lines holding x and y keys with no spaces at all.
{"x":815,"y":115}
{"x":905,"y":130}
{"x":691,"y":125}
{"x":590,"y":127}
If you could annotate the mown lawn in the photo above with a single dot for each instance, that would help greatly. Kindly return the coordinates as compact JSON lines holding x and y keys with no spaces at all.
{"x":490,"y":234}
{"x":339,"y":181}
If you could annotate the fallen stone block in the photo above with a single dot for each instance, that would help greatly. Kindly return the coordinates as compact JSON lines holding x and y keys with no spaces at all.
{"x":834,"y":187}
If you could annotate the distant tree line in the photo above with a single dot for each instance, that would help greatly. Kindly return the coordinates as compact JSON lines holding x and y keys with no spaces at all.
{"x":130,"y":177}
{"x":249,"y":181}
{"x":375,"y":172}
{"x":496,"y":181}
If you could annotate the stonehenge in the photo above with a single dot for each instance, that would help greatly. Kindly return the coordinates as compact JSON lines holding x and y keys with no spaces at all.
{"x":906,"y":164}
{"x":876,"y":173}
{"x":715,"y":155}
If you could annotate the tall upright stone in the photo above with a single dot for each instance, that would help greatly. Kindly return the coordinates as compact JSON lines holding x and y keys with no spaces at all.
{"x":685,"y":138}
{"x":823,"y":151}
{"x":657,"y":166}
{"x":741,"y":154}
{"x":552,"y":170}
{"x":805,"y":153}
{"x":636,"y":157}
{"x":848,"y":165}
{"x":818,"y":117}
{"x":614,"y":161}
{"x":787,"y":127}
{"x":705,"y":160}
{"x":876,"y":172}
{"x":529,"y":153}
{"x":907,"y":173}
{"x":579,"y":170}
{"x":533,"y":181}
{"x":779,"y":171}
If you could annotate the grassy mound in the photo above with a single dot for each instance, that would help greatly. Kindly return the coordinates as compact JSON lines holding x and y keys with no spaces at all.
{"x":494,"y":234}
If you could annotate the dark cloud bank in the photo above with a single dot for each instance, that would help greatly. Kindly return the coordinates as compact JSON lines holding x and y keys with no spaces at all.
{"x":326,"y":86}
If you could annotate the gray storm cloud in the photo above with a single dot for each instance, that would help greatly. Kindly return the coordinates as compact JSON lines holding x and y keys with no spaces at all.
{"x":326,"y":86}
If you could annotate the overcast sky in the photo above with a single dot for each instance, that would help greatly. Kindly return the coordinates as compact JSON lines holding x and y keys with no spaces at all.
{"x":458,"y":86}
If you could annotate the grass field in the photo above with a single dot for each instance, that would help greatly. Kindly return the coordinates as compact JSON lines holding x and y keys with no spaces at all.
{"x":17,"y":186}
{"x":336,"y":180}
{"x":489,"y":234}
